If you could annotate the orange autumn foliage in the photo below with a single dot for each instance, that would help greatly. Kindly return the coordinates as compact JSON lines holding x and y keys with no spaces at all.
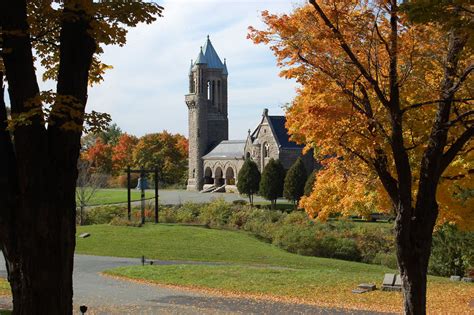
{"x":328,"y":113}
{"x":122,"y":153}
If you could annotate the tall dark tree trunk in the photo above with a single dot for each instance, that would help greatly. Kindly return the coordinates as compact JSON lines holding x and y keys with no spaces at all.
{"x":413,"y":240}
{"x":37,"y":215}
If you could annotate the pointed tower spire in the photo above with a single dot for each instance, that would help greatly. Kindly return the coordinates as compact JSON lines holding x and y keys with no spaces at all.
{"x":201,"y":59}
{"x":224,"y":71}
{"x":212,"y":58}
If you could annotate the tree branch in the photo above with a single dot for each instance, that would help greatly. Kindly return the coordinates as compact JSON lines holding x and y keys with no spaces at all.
{"x":459,"y":118}
{"x":350,"y":54}
{"x":463,"y":78}
{"x":455,"y":148}
{"x":417,"y":105}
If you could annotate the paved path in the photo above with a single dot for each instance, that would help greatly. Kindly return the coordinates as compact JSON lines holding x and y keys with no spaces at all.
{"x":177,"y":197}
{"x":104,"y":295}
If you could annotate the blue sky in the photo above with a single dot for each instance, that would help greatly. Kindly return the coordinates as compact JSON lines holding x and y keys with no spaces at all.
{"x":144,"y":93}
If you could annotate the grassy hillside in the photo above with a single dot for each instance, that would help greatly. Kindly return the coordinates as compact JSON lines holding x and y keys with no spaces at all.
{"x":178,"y":242}
{"x":256,"y":268}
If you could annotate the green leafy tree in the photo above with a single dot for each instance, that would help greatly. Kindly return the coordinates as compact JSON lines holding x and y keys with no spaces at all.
{"x":164,"y":152}
{"x":308,"y":186}
{"x":248,"y":179}
{"x":111,"y":135}
{"x":295,"y":181}
{"x":271,"y":184}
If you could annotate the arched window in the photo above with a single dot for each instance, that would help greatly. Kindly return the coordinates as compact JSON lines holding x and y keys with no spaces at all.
{"x":219,"y":96}
{"x":208,"y":90}
{"x":266,"y":150}
{"x":191,"y":83}
{"x":247,"y":156}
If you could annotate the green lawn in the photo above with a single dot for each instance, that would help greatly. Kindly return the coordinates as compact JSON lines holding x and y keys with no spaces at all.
{"x":179,"y":242}
{"x":116,"y":195}
{"x":255,"y":268}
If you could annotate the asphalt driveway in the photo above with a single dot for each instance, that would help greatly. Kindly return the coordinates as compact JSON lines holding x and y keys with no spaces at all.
{"x":104,"y":295}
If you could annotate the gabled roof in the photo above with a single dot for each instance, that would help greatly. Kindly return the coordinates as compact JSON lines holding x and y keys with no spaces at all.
{"x":277,"y":124}
{"x":227,"y":149}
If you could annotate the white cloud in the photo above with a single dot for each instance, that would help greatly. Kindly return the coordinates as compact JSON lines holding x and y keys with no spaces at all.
{"x":144,"y":92}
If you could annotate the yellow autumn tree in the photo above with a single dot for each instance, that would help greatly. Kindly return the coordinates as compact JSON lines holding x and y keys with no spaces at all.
{"x":391,"y":102}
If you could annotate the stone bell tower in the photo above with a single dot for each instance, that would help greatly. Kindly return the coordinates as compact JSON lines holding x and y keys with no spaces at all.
{"x":207,"y":110}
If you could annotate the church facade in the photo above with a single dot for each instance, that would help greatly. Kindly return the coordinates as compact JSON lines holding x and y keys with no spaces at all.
{"x":215,"y":161}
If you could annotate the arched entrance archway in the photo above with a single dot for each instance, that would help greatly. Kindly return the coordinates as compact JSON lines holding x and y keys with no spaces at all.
{"x":208,"y":176}
{"x":230,"y":176}
{"x":218,"y":177}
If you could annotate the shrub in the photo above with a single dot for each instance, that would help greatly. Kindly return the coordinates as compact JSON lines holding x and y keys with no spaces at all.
{"x":168,"y":215}
{"x":262,"y":223}
{"x":239,"y":202}
{"x":216,"y":214}
{"x":339,"y":248}
{"x":373,"y":242}
{"x":296,"y":239}
{"x":188,"y":213}
{"x":103,"y":214}
{"x":386,"y":259}
{"x":296,"y":218}
{"x":452,"y":251}
{"x":124,"y":222}
{"x":239,"y":218}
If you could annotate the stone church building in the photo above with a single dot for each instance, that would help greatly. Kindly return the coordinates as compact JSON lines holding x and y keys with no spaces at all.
{"x":215,"y":161}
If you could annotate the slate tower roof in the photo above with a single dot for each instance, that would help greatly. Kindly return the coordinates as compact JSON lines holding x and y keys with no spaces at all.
{"x":209,"y":56}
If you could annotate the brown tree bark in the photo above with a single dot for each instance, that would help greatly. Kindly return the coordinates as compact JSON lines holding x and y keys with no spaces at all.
{"x":37,"y":216}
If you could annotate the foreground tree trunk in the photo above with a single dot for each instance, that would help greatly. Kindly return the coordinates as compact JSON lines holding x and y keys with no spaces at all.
{"x":413,"y":240}
{"x":37,"y":198}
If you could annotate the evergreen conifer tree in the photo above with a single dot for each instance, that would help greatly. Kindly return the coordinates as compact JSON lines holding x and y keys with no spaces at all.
{"x":295,"y":181}
{"x":271,"y":184}
{"x":248,"y":179}
{"x":308,"y":187}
